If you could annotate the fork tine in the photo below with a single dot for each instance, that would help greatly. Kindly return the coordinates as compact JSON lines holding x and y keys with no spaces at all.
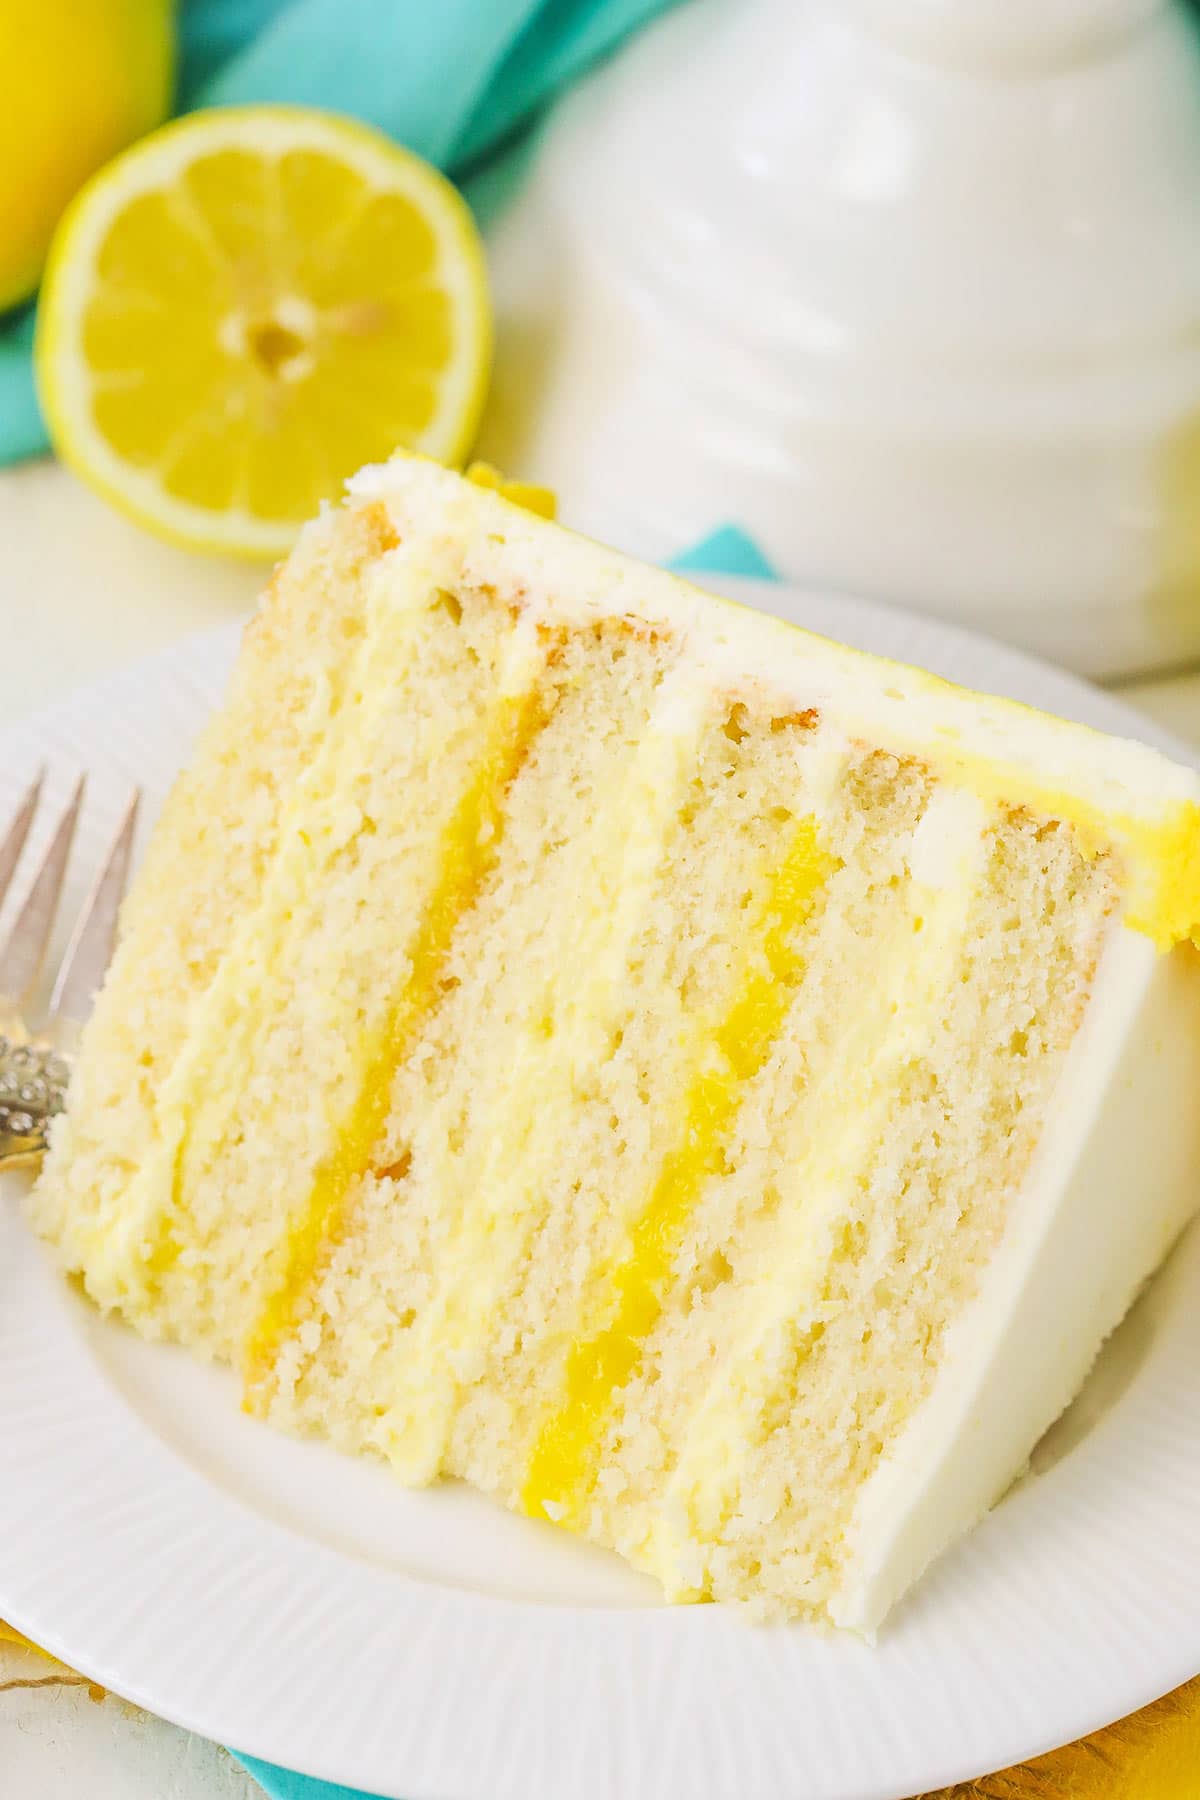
{"x":91,"y":941}
{"x":21,"y":957}
{"x":18,"y":831}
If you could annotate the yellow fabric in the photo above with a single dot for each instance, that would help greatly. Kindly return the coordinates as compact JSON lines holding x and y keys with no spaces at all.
{"x":1153,"y":1755}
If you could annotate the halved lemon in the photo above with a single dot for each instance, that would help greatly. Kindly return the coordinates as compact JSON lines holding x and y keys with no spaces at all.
{"x":248,"y":305}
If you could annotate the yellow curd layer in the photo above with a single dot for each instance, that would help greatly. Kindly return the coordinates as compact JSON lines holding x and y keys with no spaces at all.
{"x":469,"y":849}
{"x":1171,"y":914}
{"x":561,"y":1468}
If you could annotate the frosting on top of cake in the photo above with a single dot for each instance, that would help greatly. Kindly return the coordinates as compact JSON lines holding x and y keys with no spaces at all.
{"x":1112,"y":790}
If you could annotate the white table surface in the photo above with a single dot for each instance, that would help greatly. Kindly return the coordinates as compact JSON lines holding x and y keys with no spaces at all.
{"x":63,"y":1740}
{"x":82,"y":592}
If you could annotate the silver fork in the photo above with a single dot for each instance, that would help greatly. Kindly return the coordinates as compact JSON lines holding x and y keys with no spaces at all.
{"x":35,"y":1065}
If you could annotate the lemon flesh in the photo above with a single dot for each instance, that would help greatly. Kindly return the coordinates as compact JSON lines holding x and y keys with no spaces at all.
{"x":246,"y":307}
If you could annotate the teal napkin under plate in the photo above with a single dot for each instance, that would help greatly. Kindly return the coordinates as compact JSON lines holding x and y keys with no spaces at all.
{"x":726,"y":551}
{"x":454,"y":80}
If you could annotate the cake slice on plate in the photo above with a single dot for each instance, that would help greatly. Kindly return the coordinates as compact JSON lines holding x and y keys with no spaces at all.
{"x":708,"y":1088}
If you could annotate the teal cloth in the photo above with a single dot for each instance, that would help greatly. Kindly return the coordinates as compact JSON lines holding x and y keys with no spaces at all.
{"x":726,"y":551}
{"x":281,"y":1784}
{"x":454,"y":80}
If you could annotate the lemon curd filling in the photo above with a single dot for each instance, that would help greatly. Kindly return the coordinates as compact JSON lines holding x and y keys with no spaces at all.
{"x":470,"y":846}
{"x":1172,"y":849}
{"x":562,"y":1465}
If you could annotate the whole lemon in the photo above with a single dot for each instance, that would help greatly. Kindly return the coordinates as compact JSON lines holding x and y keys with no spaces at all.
{"x":79,"y":80}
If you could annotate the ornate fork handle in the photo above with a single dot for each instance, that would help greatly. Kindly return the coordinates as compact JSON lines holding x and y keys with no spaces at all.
{"x":33,"y":1089}
{"x":34,"y":1066}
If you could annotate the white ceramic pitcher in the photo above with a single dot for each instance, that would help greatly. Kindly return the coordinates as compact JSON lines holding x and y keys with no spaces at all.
{"x":910,"y":289}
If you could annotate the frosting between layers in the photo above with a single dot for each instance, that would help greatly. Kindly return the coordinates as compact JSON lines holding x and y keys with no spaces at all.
{"x":470,"y":844}
{"x":498,"y":1192}
{"x":853,"y":1093}
{"x":602,"y":1361}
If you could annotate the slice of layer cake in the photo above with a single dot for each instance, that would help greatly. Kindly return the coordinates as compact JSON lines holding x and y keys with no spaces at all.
{"x":708,"y":1088}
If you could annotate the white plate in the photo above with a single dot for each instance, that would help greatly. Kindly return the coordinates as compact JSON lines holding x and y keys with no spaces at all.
{"x":305,"y":1608}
